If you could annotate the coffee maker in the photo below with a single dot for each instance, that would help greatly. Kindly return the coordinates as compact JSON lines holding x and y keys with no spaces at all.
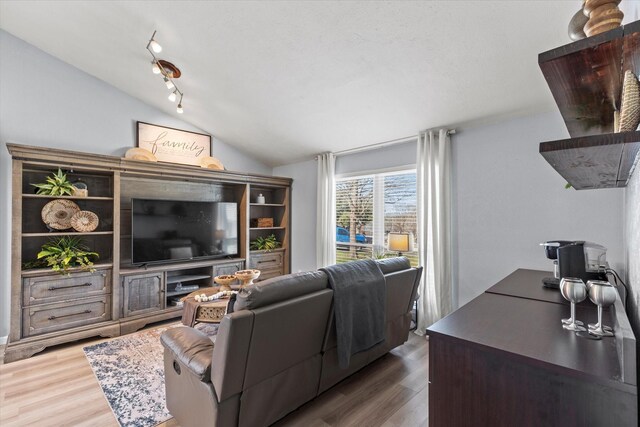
{"x":584,"y":260}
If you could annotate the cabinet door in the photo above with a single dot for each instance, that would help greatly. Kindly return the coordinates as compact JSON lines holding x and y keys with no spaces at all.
{"x":143,"y":293}
{"x":224,"y":269}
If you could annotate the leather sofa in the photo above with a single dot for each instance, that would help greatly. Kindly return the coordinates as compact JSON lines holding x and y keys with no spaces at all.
{"x":276,"y":351}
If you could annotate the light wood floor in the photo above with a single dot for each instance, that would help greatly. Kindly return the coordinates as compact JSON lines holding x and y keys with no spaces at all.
{"x":58,"y":388}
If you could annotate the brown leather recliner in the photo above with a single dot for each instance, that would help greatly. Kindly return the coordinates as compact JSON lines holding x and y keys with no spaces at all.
{"x":276,"y":352}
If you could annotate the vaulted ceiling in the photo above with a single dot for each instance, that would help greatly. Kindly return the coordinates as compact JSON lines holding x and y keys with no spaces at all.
{"x":284,"y":80}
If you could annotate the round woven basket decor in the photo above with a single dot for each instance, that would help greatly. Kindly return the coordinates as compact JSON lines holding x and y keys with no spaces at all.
{"x":57,"y":214}
{"x":84,"y":221}
{"x":138,"y":153}
{"x":211,"y":163}
{"x":630,"y":109}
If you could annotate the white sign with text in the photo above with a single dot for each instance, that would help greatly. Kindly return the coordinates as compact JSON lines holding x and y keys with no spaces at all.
{"x":174,"y":145}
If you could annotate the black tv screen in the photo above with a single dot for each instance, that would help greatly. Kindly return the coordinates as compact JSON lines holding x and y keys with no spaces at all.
{"x":177,"y":230}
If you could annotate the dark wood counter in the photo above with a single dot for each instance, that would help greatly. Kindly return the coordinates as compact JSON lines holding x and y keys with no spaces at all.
{"x":504,"y":359}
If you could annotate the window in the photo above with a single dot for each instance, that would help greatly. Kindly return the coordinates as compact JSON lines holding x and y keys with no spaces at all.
{"x":368,"y":208}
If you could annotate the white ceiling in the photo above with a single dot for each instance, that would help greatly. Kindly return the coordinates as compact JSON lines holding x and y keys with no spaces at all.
{"x":285,"y":80}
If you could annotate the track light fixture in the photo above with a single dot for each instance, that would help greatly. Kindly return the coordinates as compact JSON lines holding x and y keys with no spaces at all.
{"x":179,"y":109}
{"x":168,"y":71}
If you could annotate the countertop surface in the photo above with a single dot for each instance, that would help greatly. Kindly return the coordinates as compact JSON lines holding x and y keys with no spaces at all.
{"x":520,"y":317}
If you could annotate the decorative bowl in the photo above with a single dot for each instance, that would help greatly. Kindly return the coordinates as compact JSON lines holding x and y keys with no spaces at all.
{"x":225,"y":281}
{"x":247,"y":276}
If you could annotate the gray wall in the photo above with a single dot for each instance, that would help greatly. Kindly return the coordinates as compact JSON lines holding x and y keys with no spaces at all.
{"x":632,"y":249}
{"x":506,"y":199}
{"x":303,"y":208}
{"x":46,"y":102}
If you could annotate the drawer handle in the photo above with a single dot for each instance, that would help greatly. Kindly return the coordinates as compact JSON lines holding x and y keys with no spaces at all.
{"x":67,"y":315}
{"x":268,"y":260}
{"x":56,"y":288}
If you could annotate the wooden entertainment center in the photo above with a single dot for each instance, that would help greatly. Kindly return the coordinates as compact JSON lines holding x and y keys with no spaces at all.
{"x":48,"y":308}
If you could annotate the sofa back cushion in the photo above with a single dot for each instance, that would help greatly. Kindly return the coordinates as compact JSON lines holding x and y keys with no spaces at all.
{"x":280,"y":288}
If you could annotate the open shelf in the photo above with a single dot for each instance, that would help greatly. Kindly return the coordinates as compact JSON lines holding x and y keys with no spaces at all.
{"x":176,"y":293}
{"x":585,"y":78}
{"x":186,"y":278}
{"x":597,"y":161}
{"x":44,"y":196}
{"x":273,"y":205}
{"x":266,"y":228}
{"x":67,"y":233}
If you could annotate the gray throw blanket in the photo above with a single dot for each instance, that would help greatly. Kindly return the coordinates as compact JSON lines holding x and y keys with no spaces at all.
{"x":359,"y":305}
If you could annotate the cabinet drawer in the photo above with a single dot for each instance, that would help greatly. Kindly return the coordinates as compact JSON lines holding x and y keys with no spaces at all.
{"x":227,"y":269}
{"x":44,"y":289}
{"x":266,"y":261}
{"x":40,"y":319}
{"x":268,"y":274}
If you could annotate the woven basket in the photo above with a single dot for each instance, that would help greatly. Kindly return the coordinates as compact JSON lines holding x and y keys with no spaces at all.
{"x":630,"y":109}
{"x":84,"y":221}
{"x":57,"y":214}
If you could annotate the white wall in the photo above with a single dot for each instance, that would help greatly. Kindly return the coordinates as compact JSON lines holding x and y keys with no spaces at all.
{"x":303,"y":208}
{"x":46,"y":102}
{"x":632,"y":249}
{"x":508,"y":199}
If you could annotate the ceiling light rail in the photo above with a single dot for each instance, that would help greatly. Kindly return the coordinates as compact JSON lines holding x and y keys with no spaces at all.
{"x":168,"y":71}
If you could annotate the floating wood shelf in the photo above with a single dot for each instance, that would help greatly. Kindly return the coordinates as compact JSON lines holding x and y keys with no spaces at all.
{"x":596,"y":161}
{"x":585,"y":78}
{"x":266,"y":228}
{"x":274,"y":205}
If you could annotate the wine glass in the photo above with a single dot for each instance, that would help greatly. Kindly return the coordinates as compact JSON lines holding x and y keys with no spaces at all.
{"x":573,"y":290}
{"x":603,"y":295}
{"x":590,"y":283}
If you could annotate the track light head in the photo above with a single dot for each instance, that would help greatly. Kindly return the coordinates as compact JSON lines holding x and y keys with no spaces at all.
{"x":179,"y":109}
{"x":155,"y":46}
{"x":155,"y":67}
{"x":169,"y":83}
{"x":173,"y":96}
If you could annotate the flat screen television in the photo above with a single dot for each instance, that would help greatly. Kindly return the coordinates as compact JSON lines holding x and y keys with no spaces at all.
{"x":176,"y":230}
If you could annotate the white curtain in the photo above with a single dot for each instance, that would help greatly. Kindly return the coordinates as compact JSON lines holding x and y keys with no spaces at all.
{"x":434,"y":227}
{"x":326,"y":221}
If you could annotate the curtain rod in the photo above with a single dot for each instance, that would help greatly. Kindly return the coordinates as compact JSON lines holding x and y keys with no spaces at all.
{"x":381,"y":144}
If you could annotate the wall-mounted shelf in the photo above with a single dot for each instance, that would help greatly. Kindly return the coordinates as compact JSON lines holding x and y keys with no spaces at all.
{"x":596,"y":161}
{"x":68,"y":233}
{"x":585,"y":78}
{"x":44,"y":196}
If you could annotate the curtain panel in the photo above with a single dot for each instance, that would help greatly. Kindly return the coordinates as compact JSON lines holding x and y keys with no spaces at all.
{"x":434,"y":226}
{"x":326,"y":218}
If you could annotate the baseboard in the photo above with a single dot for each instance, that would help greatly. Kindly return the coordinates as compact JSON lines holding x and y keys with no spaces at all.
{"x":3,"y":340}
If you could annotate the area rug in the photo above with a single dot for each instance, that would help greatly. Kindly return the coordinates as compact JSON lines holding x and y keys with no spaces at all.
{"x":130,"y":371}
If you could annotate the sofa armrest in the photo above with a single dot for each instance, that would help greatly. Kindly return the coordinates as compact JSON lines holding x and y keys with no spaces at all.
{"x":192,"y":348}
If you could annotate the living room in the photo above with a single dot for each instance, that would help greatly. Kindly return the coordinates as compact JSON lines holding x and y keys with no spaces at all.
{"x":299,"y":104}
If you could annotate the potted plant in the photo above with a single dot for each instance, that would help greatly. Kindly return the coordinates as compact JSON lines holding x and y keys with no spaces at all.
{"x":268,"y":243}
{"x":64,"y":253}
{"x":56,"y":185}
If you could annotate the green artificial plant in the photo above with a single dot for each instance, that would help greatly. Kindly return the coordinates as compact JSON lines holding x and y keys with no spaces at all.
{"x":56,"y":185}
{"x":63,"y":253}
{"x":265,"y":243}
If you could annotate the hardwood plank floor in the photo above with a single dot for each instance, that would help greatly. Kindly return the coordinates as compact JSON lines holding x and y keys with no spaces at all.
{"x":58,"y":388}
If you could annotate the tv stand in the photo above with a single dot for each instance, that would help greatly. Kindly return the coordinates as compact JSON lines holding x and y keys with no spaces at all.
{"x":118,"y":297}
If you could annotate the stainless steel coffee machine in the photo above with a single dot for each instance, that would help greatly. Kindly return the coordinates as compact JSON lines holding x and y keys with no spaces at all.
{"x":584,"y":260}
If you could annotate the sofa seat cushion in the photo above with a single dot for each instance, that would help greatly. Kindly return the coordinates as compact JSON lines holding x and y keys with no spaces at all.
{"x":192,"y":348}
{"x":279,"y":289}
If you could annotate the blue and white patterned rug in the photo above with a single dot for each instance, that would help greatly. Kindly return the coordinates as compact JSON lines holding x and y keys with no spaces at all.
{"x":130,"y":371}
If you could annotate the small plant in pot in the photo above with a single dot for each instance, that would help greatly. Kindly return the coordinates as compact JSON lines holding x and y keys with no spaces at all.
{"x":268,"y":243}
{"x":64,"y":253}
{"x":56,"y":185}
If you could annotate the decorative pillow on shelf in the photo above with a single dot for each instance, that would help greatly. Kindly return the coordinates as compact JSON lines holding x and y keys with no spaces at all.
{"x":630,"y":108}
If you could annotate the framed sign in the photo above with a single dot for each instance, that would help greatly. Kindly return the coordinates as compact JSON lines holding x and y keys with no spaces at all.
{"x":174,"y":145}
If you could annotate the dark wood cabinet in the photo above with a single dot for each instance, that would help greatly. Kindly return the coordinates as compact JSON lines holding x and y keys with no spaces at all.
{"x":505,"y":360}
